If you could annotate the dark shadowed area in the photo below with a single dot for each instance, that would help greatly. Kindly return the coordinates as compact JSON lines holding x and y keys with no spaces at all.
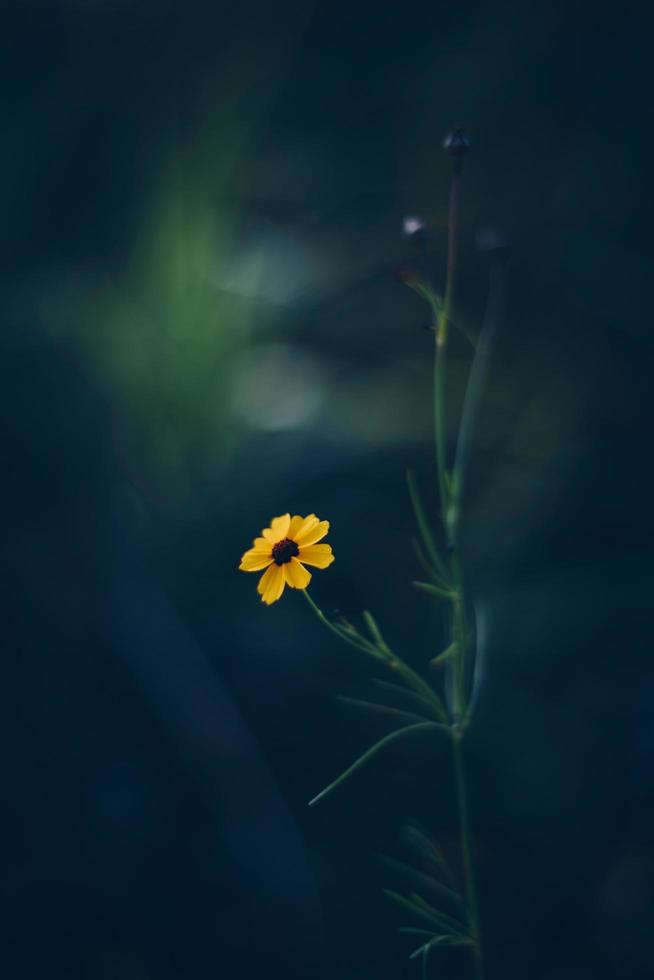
{"x":202,"y":212}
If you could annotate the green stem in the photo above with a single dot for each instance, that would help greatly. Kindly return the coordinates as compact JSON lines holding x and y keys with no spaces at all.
{"x":469,"y":877}
{"x":449,"y":497}
{"x":381,"y":651}
{"x":440,"y":350}
{"x":439,"y":410}
{"x":356,"y":642}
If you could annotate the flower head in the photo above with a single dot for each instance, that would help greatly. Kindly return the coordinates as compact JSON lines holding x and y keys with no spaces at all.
{"x":283,"y":550}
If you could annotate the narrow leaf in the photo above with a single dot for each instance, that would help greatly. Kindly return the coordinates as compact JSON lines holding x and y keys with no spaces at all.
{"x":375,"y":632}
{"x":421,"y":843}
{"x":409,"y":906}
{"x":423,"y":911}
{"x":425,"y":959}
{"x":382,"y":743}
{"x":480,"y":662}
{"x":381,"y":709}
{"x":417,"y":683}
{"x":420,"y":879}
{"x":446,"y":655}
{"x":435,"y":591}
{"x":403,"y":693}
{"x":423,"y":525}
{"x":443,"y":940}
{"x":426,"y":565}
{"x":455,"y":925}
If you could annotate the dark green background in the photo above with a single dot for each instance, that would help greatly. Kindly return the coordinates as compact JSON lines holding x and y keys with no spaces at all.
{"x":202,"y":209}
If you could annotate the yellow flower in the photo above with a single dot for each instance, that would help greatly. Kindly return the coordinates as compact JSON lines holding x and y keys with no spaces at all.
{"x":283,"y":550}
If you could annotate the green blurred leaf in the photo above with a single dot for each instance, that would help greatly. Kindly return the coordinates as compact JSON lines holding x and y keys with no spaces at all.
{"x":420,"y":879}
{"x":439,"y":920}
{"x":423,"y":526}
{"x":446,"y":655}
{"x":435,"y":590}
{"x":420,"y":842}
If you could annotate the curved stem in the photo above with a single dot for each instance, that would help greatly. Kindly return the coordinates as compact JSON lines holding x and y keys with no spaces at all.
{"x":357,"y":642}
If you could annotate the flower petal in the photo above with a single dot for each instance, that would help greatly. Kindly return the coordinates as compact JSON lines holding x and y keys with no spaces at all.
{"x":271,"y":584}
{"x":261,"y":544}
{"x":319,"y":555}
{"x":278,"y":529}
{"x":305,"y":525}
{"x":312,"y":533}
{"x":296,"y":574}
{"x":255,"y":559}
{"x":295,"y":525}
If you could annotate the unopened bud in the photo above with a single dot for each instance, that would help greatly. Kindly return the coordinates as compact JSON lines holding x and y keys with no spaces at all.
{"x":406,"y":275}
{"x":456,"y":143}
{"x":413,"y":225}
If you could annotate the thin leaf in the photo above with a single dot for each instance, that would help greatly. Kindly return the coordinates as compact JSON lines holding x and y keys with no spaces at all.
{"x":418,"y":700}
{"x":352,"y":636}
{"x":425,"y":958}
{"x":422,"y":910}
{"x":409,"y":906}
{"x":419,"y":841}
{"x":456,"y":925}
{"x":409,"y":675}
{"x":343,"y":633}
{"x":413,"y":931}
{"x":382,"y":743}
{"x":480,"y":662}
{"x":442,"y":940}
{"x":446,"y":655}
{"x":417,"y":683}
{"x":434,"y":590}
{"x":420,"y":879}
{"x":375,"y":632}
{"x":426,"y":564}
{"x":423,"y":526}
{"x":381,"y":709}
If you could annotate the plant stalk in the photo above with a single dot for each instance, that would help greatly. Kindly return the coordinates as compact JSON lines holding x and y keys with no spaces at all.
{"x":440,"y":350}
{"x":449,"y":499}
{"x":468,"y":870}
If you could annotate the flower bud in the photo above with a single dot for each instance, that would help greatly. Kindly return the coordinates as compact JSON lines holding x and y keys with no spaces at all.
{"x":412,"y":225}
{"x":407,"y":275}
{"x":456,"y":143}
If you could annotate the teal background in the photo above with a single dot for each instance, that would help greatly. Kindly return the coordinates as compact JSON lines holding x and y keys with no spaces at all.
{"x":202,"y":212}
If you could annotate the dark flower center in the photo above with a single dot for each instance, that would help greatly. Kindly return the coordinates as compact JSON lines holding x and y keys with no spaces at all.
{"x":284,"y":550}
